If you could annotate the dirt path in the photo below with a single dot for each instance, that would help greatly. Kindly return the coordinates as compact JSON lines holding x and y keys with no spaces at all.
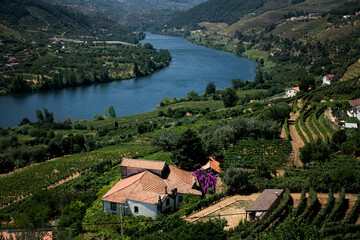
{"x":283,"y":133}
{"x":232,"y":209}
{"x":332,"y":119}
{"x":75,"y":175}
{"x":296,"y":141}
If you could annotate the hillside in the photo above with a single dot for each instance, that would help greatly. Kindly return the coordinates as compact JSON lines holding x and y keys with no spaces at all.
{"x":85,"y":156}
{"x":54,"y":173}
{"x":138,"y":14}
{"x":227,"y":12}
{"x":44,"y":46}
{"x":34,"y":20}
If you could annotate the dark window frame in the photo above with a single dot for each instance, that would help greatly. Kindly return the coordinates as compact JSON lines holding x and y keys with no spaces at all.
{"x":136,"y":209}
{"x":113,"y":206}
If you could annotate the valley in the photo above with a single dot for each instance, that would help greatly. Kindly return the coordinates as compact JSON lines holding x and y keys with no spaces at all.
{"x":272,"y":144}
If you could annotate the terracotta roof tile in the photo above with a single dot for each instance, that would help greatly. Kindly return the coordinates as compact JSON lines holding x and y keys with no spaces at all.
{"x":354,"y":102}
{"x":145,"y":164}
{"x":182,"y":180}
{"x":148,"y":187}
{"x":212,"y":163}
{"x":44,"y":235}
{"x":265,"y":200}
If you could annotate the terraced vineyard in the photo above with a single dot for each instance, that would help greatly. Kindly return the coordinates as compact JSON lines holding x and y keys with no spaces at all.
{"x":16,"y":186}
{"x":325,"y":218}
{"x":352,"y":72}
{"x":251,"y":153}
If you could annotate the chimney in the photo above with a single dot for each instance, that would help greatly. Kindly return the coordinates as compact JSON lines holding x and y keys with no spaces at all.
{"x":276,"y":193}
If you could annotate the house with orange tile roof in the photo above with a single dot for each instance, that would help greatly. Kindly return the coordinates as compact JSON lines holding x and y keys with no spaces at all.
{"x":291,"y":92}
{"x":355,"y":108}
{"x":213,"y":164}
{"x":149,"y":188}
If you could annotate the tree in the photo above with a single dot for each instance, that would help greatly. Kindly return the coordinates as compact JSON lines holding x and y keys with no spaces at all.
{"x":306,"y":83}
{"x":192,"y":96}
{"x":111,"y":112}
{"x":49,"y":116}
{"x":240,"y":49}
{"x":317,"y":152}
{"x":237,"y":83}
{"x":189,"y":153}
{"x":39,"y":115}
{"x":167,"y":140}
{"x":210,"y":88}
{"x":237,"y":180}
{"x":229,"y":97}
{"x":259,"y":78}
{"x":24,"y":121}
{"x":207,"y":179}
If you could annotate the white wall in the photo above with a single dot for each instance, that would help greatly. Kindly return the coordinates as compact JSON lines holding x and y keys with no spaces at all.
{"x":170,"y":207}
{"x":107,"y":207}
{"x":145,"y":209}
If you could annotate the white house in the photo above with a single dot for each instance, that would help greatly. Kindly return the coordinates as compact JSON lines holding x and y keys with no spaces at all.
{"x":355,"y":111}
{"x":291,"y":92}
{"x":327,"y":79}
{"x":152,"y":187}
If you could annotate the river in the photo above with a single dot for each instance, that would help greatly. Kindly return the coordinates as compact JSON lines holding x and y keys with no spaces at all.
{"x":192,"y":68}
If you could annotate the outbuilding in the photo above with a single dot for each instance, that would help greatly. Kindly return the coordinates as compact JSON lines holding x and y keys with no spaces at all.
{"x":264,"y":204}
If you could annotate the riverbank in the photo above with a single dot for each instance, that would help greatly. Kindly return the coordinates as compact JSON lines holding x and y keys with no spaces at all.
{"x":192,"y":67}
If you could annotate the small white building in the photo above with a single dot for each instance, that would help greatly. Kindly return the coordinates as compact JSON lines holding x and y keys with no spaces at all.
{"x":355,"y":108}
{"x":149,"y":188}
{"x":351,"y":125}
{"x":291,"y":92}
{"x":327,"y":79}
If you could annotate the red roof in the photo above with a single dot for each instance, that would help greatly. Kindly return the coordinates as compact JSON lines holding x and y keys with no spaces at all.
{"x":212,"y":163}
{"x":143,"y":187}
{"x":145,"y":164}
{"x":7,"y":235}
{"x":294,"y":88}
{"x":354,"y":102}
{"x":182,"y":180}
{"x":148,"y":187}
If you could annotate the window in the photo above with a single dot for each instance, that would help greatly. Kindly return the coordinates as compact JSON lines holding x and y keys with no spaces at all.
{"x":181,"y":198}
{"x":136,"y":209}
{"x":168,"y":202}
{"x":113,"y":206}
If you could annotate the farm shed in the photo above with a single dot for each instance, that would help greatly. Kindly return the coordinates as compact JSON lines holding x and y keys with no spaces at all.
{"x":264,"y":204}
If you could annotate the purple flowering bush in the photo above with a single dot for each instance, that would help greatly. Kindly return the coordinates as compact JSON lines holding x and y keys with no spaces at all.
{"x":207,"y":179}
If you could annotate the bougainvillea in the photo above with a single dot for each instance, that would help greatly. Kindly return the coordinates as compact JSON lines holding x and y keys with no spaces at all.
{"x":207,"y":179}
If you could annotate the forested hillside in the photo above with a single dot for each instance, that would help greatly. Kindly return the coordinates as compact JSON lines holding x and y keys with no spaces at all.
{"x":37,"y":19}
{"x":50,"y":47}
{"x":215,"y":11}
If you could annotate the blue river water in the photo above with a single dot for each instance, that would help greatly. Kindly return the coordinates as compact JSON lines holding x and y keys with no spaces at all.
{"x":192,"y":67}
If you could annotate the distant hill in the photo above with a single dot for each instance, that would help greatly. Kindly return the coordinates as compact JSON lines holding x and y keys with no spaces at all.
{"x":128,"y":6}
{"x":34,"y":20}
{"x":139,"y":13}
{"x":227,"y":11}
